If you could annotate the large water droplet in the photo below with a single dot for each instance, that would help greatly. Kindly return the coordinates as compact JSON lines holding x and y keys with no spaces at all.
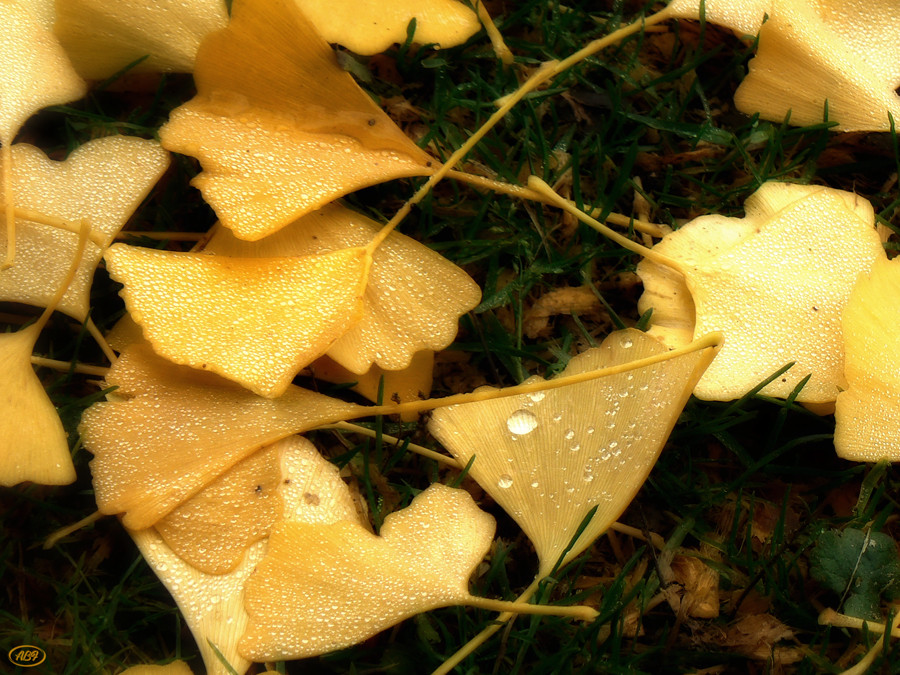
{"x":505,"y":481}
{"x":522,"y":422}
{"x":627,"y":343}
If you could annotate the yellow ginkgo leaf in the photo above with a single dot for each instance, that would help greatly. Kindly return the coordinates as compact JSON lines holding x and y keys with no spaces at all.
{"x":413,"y":299}
{"x":33,"y":443}
{"x":173,"y":430}
{"x":742,"y":16}
{"x":549,"y":457}
{"x":36,"y":73}
{"x":324,"y":587}
{"x":286,"y":480}
{"x":803,"y":68}
{"x":775,"y":283}
{"x":299,"y":485}
{"x":278,"y":126}
{"x":371,"y":26}
{"x":869,"y":29}
{"x":102,"y":37}
{"x":867,"y":414}
{"x":101,"y":182}
{"x":256,"y":321}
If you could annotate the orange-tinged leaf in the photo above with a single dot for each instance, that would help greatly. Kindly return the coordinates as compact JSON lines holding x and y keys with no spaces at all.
{"x":413,"y":298}
{"x":255,"y":321}
{"x":172,"y":430}
{"x":103,"y":37}
{"x":278,"y":126}
{"x":309,"y":489}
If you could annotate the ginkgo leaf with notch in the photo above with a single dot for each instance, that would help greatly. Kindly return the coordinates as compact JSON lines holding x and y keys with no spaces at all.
{"x":102,"y":182}
{"x":288,"y":480}
{"x":36,"y":74}
{"x":33,"y":443}
{"x":297,"y":484}
{"x":322,"y":587}
{"x":548,"y":458}
{"x":775,"y":283}
{"x":102,"y":37}
{"x":173,"y":430}
{"x":801,"y":54}
{"x":278,"y":126}
{"x":257,"y":321}
{"x":413,"y":298}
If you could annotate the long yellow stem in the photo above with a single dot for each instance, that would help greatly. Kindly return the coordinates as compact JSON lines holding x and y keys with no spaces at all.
{"x":169,"y":236}
{"x":546,"y":72}
{"x":66,"y":366}
{"x":538,"y":185}
{"x":523,"y":192}
{"x":829,"y":617}
{"x":574,"y":611}
{"x":100,"y":340}
{"x":710,"y":340}
{"x":500,"y":49}
{"x":50,"y":541}
{"x":393,"y":440}
{"x":485,"y":634}
{"x":60,"y":224}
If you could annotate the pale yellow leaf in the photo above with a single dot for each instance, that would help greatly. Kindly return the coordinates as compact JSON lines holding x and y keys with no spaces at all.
{"x":102,"y":182}
{"x":371,"y":26}
{"x":324,"y":587}
{"x":104,"y":37}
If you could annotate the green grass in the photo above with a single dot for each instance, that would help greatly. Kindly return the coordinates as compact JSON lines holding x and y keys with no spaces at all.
{"x":747,"y":487}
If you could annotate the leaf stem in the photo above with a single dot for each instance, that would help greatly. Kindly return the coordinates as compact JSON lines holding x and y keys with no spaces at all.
{"x":710,"y":340}
{"x":518,"y":607}
{"x":546,"y":72}
{"x":550,"y":196}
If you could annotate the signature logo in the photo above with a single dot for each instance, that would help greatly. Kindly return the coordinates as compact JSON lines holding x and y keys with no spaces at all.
{"x":26,"y":656}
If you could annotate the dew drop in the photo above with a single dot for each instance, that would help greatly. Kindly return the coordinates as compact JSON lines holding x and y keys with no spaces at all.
{"x":505,"y":481}
{"x":522,"y":422}
{"x":570,"y":434}
{"x":537,"y":396}
{"x":627,"y":343}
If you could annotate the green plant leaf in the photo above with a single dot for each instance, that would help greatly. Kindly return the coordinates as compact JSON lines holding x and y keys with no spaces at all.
{"x":861,"y":566}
